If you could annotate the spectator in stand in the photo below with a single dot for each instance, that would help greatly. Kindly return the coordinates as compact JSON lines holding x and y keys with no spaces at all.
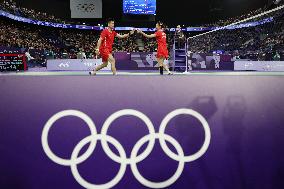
{"x":179,"y":37}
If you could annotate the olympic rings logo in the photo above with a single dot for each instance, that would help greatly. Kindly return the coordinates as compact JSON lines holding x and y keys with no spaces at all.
{"x":122,"y":159}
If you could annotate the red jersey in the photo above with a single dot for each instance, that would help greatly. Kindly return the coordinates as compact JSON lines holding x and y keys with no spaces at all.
{"x":161,"y":38}
{"x":107,"y":39}
{"x":162,"y":44}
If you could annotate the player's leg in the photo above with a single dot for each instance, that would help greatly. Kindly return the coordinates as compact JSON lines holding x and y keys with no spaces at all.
{"x":111,"y":60}
{"x":160,"y":62}
{"x":166,"y":68}
{"x":162,"y":65}
{"x":103,"y":65}
{"x":105,"y":56}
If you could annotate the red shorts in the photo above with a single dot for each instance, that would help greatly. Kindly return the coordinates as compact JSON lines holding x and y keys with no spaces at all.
{"x":105,"y":54}
{"x":163,"y":53}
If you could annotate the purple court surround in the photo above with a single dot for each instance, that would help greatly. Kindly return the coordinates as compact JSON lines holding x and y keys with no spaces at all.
{"x":245,"y":115}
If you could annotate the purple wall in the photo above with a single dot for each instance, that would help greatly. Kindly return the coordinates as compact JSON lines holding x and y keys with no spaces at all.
{"x":245,"y":115}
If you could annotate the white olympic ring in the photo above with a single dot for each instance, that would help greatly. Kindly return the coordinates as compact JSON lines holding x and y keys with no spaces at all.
{"x":122,"y":158}
{"x":76,"y":173}
{"x":52,"y":120}
{"x":148,"y":123}
{"x":205,"y":126}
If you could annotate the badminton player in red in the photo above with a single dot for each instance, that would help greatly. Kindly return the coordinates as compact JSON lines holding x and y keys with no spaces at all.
{"x":163,"y":52}
{"x":104,"y":47}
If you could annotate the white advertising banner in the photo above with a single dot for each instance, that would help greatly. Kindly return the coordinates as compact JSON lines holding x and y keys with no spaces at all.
{"x":276,"y":66}
{"x":74,"y":64}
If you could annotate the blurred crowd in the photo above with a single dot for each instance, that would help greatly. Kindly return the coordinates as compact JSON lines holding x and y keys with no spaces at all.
{"x":263,"y":42}
{"x":228,"y":21}
{"x":58,"y":43}
{"x":12,"y":7}
{"x":234,"y":19}
{"x":62,"y":43}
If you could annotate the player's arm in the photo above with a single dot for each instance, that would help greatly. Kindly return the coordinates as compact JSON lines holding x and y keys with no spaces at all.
{"x":122,"y":36}
{"x":98,"y":45}
{"x":146,"y":35}
{"x":125,"y":35}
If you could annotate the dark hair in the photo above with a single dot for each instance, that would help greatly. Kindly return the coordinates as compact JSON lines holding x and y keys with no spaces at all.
{"x":161,"y":24}
{"x":110,"y":20}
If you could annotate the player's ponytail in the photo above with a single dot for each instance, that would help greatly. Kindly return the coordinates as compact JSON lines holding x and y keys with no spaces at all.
{"x":161,"y":24}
